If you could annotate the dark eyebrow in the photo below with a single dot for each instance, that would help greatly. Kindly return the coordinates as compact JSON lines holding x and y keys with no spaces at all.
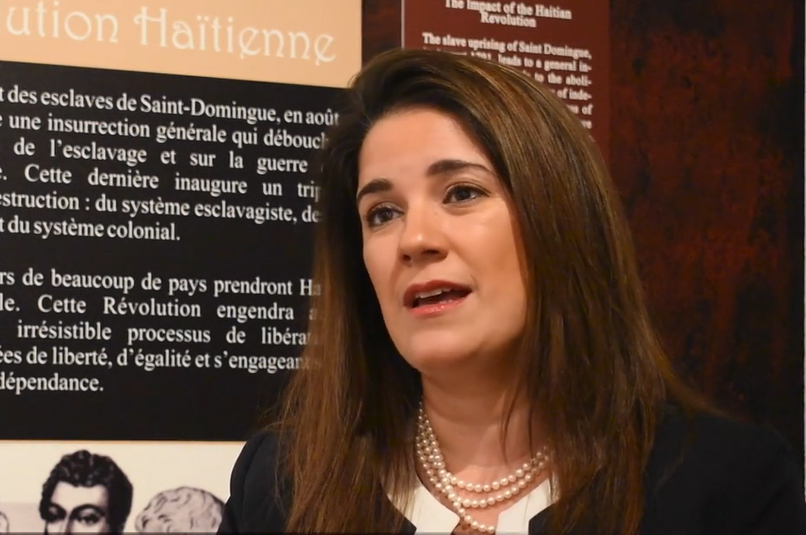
{"x":377,"y":185}
{"x":443,"y":167}
{"x":88,"y":507}
{"x":440,"y":167}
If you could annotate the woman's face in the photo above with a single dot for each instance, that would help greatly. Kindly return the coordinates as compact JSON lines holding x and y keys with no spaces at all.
{"x":440,"y":244}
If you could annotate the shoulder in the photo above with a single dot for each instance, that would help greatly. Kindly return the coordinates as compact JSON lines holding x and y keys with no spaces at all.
{"x":716,"y":440}
{"x":724,"y":475}
{"x":257,"y":499}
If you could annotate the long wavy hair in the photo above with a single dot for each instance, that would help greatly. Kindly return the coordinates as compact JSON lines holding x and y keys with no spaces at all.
{"x":593,"y":369}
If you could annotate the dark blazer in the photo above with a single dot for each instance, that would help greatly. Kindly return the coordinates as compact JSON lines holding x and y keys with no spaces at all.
{"x":706,"y":476}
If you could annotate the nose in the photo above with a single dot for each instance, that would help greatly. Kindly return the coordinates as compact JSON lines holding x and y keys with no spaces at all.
{"x":423,"y":236}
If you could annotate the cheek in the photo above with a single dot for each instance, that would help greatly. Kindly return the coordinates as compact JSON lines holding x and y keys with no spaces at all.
{"x":505,"y":264}
{"x":379,"y":268}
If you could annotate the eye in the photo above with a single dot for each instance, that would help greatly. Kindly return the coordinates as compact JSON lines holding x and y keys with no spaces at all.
{"x":380,"y":215}
{"x":89,"y":519}
{"x":463,"y":193}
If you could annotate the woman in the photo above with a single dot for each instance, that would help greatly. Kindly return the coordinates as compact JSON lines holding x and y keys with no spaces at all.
{"x":483,"y":359}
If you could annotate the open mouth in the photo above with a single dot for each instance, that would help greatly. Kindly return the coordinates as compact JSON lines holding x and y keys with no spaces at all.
{"x":437,"y":296}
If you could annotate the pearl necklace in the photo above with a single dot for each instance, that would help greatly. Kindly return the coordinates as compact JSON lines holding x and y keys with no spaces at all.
{"x":433,"y":463}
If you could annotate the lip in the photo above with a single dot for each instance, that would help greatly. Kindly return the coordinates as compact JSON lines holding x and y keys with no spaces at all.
{"x":414,"y":289}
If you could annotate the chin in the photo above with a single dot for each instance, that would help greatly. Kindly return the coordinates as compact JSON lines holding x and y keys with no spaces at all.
{"x":437,"y":353}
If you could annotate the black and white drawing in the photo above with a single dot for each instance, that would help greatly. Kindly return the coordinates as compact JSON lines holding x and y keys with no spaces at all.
{"x":85,"y":492}
{"x":114,"y":487}
{"x":183,"y":510}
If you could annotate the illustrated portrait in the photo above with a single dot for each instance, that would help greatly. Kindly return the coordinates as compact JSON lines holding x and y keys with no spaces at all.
{"x":85,"y":493}
{"x":184,"y":510}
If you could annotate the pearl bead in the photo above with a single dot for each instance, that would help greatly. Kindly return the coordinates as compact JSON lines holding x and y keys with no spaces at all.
{"x":429,"y":454}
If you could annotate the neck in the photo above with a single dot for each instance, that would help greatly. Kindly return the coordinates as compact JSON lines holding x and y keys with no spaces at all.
{"x":468,"y":419}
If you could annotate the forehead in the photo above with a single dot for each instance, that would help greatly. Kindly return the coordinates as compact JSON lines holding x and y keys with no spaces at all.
{"x":408,"y":141}
{"x":70,"y":497}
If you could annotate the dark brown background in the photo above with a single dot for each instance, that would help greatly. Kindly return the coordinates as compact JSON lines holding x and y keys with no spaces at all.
{"x":707,"y":148}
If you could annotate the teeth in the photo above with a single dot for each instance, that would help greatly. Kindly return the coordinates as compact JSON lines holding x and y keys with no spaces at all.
{"x":432,"y":293}
{"x":419,"y":296}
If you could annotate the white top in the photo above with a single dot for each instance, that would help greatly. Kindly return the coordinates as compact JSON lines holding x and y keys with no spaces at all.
{"x":429,"y":515}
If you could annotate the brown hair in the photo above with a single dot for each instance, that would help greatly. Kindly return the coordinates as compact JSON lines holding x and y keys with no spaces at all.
{"x":593,"y":369}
